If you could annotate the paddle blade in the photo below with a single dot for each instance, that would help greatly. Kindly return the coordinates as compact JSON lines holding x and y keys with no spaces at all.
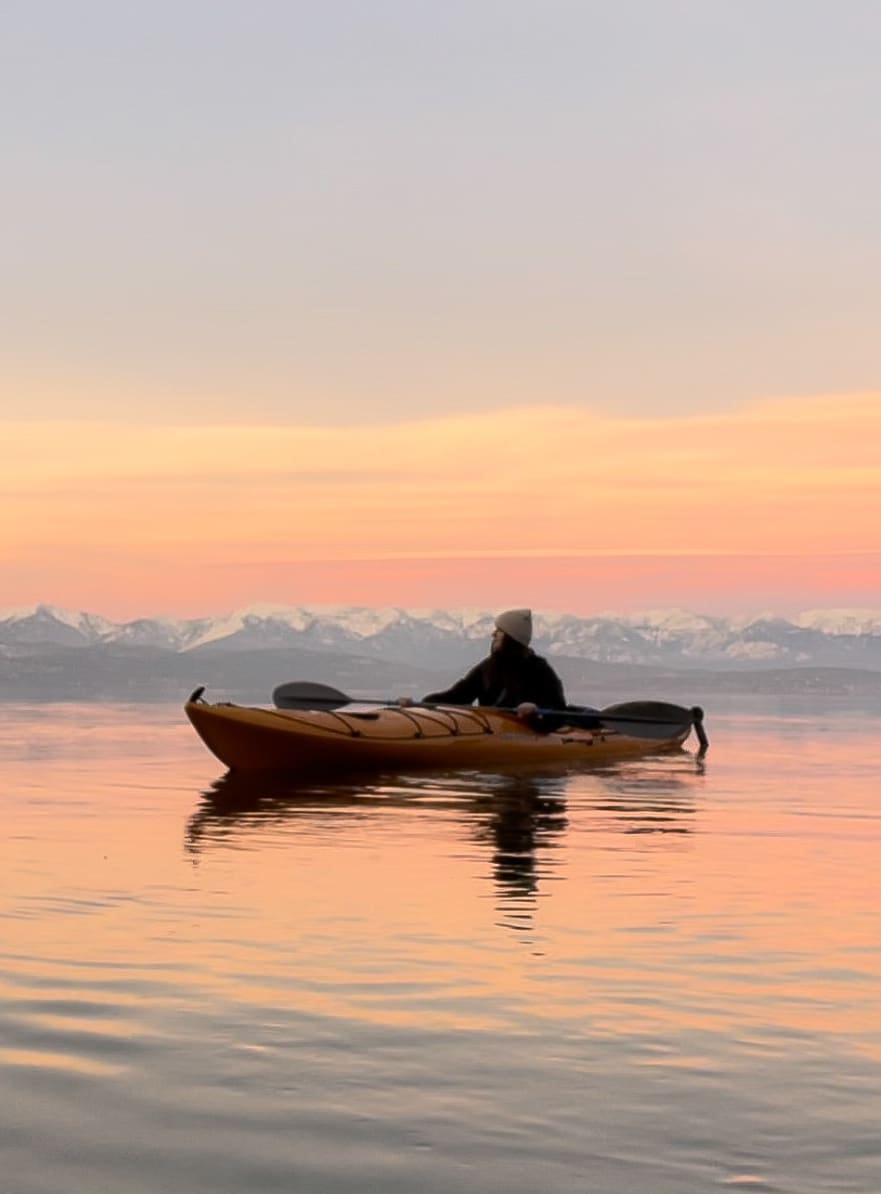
{"x":649,"y":711}
{"x":648,"y":719}
{"x":305,"y":694}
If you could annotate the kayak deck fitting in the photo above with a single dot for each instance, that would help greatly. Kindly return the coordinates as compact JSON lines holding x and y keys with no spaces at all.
{"x":419,"y":737}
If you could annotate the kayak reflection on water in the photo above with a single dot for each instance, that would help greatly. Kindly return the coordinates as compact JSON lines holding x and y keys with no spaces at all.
{"x":521,"y":819}
{"x":240,"y":800}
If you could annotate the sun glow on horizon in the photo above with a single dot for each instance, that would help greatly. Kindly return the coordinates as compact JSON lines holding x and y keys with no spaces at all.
{"x":162,"y":516}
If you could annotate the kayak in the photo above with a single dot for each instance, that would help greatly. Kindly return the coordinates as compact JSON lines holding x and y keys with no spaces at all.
{"x":437,"y":737}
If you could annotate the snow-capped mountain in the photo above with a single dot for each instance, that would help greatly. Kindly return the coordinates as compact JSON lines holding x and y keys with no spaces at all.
{"x":50,"y":624}
{"x":447,"y":638}
{"x":842,"y":621}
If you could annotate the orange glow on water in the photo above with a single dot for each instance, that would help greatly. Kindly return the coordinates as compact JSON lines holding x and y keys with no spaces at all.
{"x":650,"y":899}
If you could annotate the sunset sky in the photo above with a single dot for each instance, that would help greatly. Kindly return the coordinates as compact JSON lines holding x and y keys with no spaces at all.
{"x":557,"y":303}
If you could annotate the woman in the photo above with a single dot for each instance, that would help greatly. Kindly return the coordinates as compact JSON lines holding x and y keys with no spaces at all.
{"x":512,"y":676}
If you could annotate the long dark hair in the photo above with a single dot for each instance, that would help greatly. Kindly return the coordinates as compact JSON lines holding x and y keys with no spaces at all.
{"x":504,"y":665}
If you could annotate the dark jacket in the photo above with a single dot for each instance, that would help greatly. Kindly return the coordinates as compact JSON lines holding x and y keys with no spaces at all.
{"x":505,"y":683}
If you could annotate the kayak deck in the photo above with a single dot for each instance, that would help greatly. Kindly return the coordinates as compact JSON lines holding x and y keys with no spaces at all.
{"x":251,"y":738}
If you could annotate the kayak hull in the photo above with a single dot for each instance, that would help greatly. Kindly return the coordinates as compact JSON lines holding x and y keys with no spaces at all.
{"x":249,"y":738}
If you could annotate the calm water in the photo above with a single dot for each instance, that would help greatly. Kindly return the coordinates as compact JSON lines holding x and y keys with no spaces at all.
{"x":662,"y":977}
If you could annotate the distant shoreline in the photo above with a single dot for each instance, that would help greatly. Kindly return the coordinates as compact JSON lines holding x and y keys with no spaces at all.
{"x":94,"y":674}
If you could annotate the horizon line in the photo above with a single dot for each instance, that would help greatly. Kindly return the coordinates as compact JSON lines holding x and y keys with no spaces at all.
{"x":22,"y":611}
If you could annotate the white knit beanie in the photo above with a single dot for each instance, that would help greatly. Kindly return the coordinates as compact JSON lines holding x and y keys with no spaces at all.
{"x":517,"y":624}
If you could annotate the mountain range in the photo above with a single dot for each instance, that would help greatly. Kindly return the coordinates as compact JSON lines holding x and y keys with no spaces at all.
{"x":441,"y":639}
{"x":48,"y":653}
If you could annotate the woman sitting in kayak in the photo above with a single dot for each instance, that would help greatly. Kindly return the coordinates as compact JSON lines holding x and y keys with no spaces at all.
{"x":511,"y":677}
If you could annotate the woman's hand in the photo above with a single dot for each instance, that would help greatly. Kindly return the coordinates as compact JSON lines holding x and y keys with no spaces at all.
{"x":526,"y":709}
{"x":405,"y":702}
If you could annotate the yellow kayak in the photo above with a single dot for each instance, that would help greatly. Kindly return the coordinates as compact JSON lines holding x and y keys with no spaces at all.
{"x":390,"y":738}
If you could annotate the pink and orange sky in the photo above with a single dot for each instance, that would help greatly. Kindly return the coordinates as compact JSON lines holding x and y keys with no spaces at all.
{"x":772,"y":504}
{"x":466,"y":304}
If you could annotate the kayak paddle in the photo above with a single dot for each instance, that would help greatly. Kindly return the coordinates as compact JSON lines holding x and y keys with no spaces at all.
{"x":638,"y":719}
